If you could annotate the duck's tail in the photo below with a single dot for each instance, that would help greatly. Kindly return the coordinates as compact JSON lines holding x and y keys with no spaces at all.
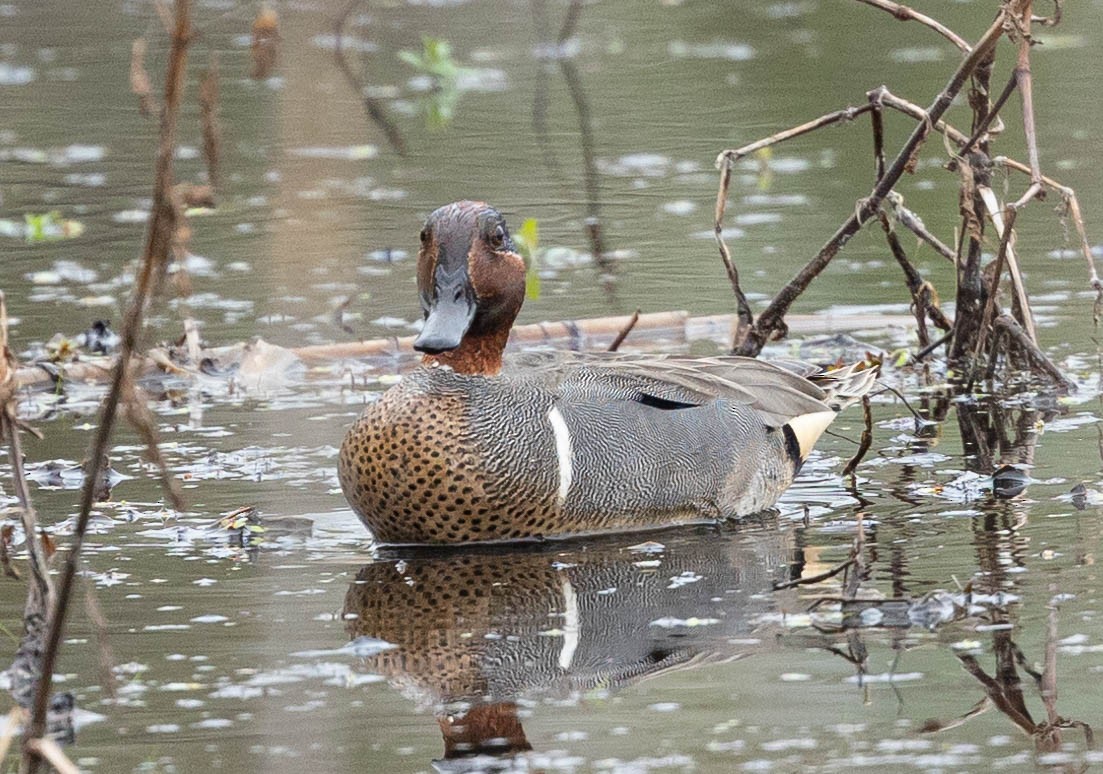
{"x":846,"y":385}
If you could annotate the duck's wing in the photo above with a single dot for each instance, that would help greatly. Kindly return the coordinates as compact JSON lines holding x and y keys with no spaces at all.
{"x":671,"y":381}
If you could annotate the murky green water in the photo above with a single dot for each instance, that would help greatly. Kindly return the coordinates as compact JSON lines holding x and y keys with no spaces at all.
{"x":664,"y":652}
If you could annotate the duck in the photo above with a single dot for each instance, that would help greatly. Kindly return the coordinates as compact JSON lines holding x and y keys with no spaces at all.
{"x":474,"y":447}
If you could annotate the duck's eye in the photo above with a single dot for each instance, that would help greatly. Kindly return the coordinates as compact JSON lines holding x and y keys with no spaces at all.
{"x":425,"y":236}
{"x":498,"y":237}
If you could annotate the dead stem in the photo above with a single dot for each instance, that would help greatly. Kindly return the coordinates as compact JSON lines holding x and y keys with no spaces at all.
{"x":208,"y":119}
{"x":729,"y":157}
{"x":155,"y":255}
{"x":1026,"y":89}
{"x":372,"y":106}
{"x":920,"y":289}
{"x":140,"y":417}
{"x":904,"y":13}
{"x":265,"y":46}
{"x":877,"y":122}
{"x":1004,"y":224}
{"x":615,"y":345}
{"x":1072,"y":203}
{"x":1050,"y":21}
{"x":923,"y":353}
{"x":50,"y":751}
{"x":9,"y":430}
{"x":1007,"y":325}
{"x":993,"y":113}
{"x":744,"y":317}
{"x":994,"y":289}
{"x":866,"y":442}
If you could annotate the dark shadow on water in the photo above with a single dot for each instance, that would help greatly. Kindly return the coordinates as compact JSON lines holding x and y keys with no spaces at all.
{"x":480,"y":630}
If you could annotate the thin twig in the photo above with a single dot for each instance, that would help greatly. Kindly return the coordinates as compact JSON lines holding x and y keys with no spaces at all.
{"x":914,"y":224}
{"x":994,"y":291}
{"x":815,"y":578}
{"x":993,"y":113}
{"x":729,"y":157}
{"x":919,"y":287}
{"x":921,"y":354}
{"x":155,"y":254}
{"x":139,"y":79}
{"x":904,"y":13}
{"x":1072,"y":203}
{"x":590,"y":177}
{"x":877,"y":122}
{"x":11,"y":724}
{"x":372,"y":106}
{"x":635,"y":318}
{"x":744,"y":316}
{"x":9,"y":429}
{"x":103,"y":640}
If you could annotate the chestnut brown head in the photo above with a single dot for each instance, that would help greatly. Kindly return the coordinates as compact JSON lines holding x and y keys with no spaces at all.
{"x":470,"y":279}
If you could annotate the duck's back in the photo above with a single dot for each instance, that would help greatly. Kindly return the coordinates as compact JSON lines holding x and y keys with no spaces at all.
{"x":556,"y":446}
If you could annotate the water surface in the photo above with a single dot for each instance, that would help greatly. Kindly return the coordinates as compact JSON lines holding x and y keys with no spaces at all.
{"x":304,"y":648}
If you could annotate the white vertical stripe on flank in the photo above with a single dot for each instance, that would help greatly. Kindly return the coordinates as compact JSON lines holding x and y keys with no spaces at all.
{"x":562,"y":452}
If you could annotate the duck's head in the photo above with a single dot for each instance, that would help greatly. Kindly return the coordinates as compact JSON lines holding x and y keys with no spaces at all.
{"x":471,"y":283}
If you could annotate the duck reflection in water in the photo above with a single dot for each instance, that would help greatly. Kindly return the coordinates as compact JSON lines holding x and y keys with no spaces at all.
{"x":480,"y":630}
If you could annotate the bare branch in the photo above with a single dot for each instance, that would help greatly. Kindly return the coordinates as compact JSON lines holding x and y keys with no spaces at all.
{"x":839,"y":116}
{"x":771,"y":321}
{"x":904,"y":13}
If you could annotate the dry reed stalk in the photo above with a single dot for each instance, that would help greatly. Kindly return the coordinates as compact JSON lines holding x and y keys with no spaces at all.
{"x":155,"y":256}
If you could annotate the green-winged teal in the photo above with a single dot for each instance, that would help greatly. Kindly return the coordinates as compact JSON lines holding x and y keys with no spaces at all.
{"x":466,"y":448}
